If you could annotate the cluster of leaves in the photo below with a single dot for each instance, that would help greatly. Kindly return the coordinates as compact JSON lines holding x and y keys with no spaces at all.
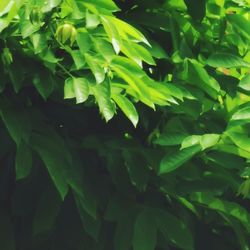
{"x":69,"y":180}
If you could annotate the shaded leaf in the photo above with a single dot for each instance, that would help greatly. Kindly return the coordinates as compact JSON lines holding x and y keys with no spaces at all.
{"x":23,"y":160}
{"x":171,"y":162}
{"x":145,"y":230}
{"x":226,"y":60}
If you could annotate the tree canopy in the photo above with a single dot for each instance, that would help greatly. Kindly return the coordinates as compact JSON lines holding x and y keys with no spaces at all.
{"x":124,"y":124}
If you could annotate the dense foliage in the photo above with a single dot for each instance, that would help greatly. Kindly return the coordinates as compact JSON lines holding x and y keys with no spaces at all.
{"x":124,"y":124}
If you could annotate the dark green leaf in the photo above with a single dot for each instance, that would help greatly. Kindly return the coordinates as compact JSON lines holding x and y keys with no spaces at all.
{"x":145,"y":230}
{"x":23,"y":160}
{"x":197,"y":10}
{"x":171,"y":162}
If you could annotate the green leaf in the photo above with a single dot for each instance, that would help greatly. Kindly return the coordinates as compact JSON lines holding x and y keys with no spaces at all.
{"x":144,"y":54}
{"x":241,"y":116}
{"x":76,"y":87}
{"x":195,"y":74}
{"x":226,"y":207}
{"x":92,"y":20}
{"x":102,"y":6}
{"x":157,"y":51}
{"x":16,"y":119}
{"x":50,"y":4}
{"x":197,"y":9}
{"x":240,"y":23}
{"x":78,"y":59}
{"x":39,"y":42}
{"x":56,"y":158}
{"x":169,"y":139}
{"x":245,"y":83}
{"x":27,"y":28}
{"x":91,"y":225}
{"x":205,"y":141}
{"x":124,"y":233}
{"x":171,"y":162}
{"x":241,"y":140}
{"x":137,"y":168}
{"x":104,"y":48}
{"x":47,"y":211}
{"x":44,"y":83}
{"x":126,"y":30}
{"x":133,"y":78}
{"x":103,"y":98}
{"x":83,"y":40}
{"x":95,"y":67}
{"x":174,"y":229}
{"x":23,"y":160}
{"x":127,"y":107}
{"x":145,"y":232}
{"x":226,"y":60}
{"x":5,"y":6}
{"x":112,"y":33}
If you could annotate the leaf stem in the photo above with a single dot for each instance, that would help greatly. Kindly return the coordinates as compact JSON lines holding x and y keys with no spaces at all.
{"x":64,"y":69}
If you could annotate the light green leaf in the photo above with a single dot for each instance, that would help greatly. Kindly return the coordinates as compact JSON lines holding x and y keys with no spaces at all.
{"x":245,"y":83}
{"x":76,"y":87}
{"x":95,"y":67}
{"x":205,"y":141}
{"x":39,"y":42}
{"x":126,"y":30}
{"x":226,"y":60}
{"x":104,"y":48}
{"x":240,"y":23}
{"x":241,"y":140}
{"x":78,"y":59}
{"x":241,"y":116}
{"x":100,"y":6}
{"x":69,"y":91}
{"x":127,"y":108}
{"x":103,"y":98}
{"x":83,"y":40}
{"x":112,"y":33}
{"x":81,"y":88}
{"x":171,"y":162}
{"x":133,"y":78}
{"x":190,"y":141}
{"x":92,"y":20}
{"x":27,"y":28}
{"x":144,"y":54}
{"x":48,"y":5}
{"x":5,"y":6}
